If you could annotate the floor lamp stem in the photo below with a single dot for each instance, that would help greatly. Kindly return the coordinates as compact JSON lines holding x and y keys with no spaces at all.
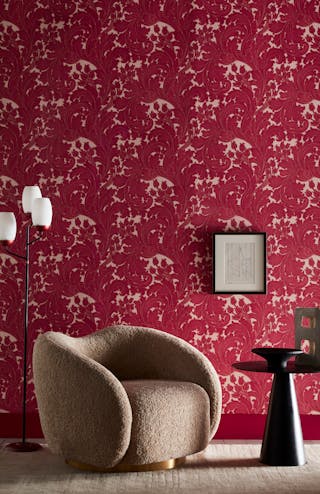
{"x":25,"y":446}
{"x":25,"y":349}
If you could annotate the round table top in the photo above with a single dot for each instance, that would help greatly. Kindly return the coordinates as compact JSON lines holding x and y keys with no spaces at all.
{"x":262,"y":366}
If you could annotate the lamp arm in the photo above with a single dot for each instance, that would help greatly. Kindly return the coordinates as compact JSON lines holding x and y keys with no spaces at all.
{"x":19,"y":256}
{"x":14,"y":253}
{"x":36,"y":239}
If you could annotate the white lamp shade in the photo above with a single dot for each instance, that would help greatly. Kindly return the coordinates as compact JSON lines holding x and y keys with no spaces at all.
{"x":41,"y":212}
{"x":30,"y":192}
{"x":8,"y":227}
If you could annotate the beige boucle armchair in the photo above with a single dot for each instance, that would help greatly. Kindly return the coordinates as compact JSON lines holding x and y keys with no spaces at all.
{"x":124,"y":398}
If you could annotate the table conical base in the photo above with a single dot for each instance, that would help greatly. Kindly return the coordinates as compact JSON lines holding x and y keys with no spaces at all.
{"x":283,"y":442}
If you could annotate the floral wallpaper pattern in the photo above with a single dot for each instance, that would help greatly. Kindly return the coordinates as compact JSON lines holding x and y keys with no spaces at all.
{"x":150,"y":125}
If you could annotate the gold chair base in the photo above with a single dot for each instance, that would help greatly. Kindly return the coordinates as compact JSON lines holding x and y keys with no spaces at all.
{"x":123,"y":467}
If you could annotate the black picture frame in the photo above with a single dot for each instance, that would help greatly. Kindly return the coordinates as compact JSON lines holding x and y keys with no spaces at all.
{"x":239,"y":263}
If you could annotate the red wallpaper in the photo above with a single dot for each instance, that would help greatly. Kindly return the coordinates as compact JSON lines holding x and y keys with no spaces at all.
{"x":151,"y":124}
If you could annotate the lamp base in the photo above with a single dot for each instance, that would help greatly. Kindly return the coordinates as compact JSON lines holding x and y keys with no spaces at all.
{"x":23,"y":447}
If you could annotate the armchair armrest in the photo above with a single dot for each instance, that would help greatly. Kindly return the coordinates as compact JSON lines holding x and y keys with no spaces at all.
{"x":80,"y":403}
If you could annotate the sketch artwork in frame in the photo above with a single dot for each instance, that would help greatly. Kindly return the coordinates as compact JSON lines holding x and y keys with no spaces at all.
{"x":239,"y":263}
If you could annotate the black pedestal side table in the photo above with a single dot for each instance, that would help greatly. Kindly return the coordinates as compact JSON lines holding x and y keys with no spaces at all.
{"x":282,"y":440}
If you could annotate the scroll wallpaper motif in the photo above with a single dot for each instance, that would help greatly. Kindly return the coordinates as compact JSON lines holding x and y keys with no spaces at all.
{"x":150,"y":125}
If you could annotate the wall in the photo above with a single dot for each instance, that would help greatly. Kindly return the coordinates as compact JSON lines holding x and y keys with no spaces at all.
{"x":150,"y":125}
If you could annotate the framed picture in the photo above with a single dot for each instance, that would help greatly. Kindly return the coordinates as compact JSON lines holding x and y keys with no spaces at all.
{"x":239,"y":263}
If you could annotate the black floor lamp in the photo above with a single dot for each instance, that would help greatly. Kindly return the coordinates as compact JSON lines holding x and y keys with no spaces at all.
{"x":41,"y":216}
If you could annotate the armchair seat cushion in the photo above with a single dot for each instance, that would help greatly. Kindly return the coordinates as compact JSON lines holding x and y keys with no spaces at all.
{"x":170,"y":419}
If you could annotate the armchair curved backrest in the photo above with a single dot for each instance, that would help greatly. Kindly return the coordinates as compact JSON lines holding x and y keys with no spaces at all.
{"x":133,"y":352}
